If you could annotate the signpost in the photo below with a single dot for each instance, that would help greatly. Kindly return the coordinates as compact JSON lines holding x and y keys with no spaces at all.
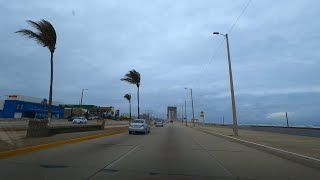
{"x":202,"y":115}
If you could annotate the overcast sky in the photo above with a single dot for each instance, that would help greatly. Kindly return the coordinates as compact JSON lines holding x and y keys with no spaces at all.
{"x":274,"y":50}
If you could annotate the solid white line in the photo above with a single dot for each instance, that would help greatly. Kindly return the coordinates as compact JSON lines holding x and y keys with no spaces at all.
{"x":276,"y":149}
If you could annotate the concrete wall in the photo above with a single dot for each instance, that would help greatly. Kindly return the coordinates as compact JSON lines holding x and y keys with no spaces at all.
{"x":40,"y":128}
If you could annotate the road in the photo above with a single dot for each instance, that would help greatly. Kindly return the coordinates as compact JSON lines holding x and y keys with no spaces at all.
{"x":171,"y":152}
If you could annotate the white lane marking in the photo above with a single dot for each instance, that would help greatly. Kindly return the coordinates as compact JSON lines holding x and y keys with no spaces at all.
{"x":112,"y":164}
{"x":218,"y":162}
{"x":268,"y":147}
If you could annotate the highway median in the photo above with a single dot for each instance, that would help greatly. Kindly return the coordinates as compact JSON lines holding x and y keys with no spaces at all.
{"x":22,"y":145}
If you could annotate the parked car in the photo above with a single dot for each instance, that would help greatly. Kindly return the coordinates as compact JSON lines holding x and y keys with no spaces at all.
{"x":80,"y":120}
{"x":93,"y":117}
{"x":139,"y":125}
{"x":159,"y":123}
{"x":71,"y":118}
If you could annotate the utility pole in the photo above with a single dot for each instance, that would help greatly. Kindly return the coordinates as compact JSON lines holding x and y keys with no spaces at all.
{"x":185,"y":111}
{"x":287,"y":119}
{"x":222,"y":120}
{"x":192,"y":105}
{"x":182,"y":114}
{"x":234,"y":113}
{"x":81,"y":101}
{"x":192,"y":109}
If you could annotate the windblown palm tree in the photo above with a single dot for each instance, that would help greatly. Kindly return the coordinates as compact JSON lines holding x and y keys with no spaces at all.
{"x":133,"y":77}
{"x":128,"y":97}
{"x":45,"y":36}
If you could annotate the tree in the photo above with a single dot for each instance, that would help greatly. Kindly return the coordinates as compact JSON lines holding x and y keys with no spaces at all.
{"x":45,"y":36}
{"x":128,"y":97}
{"x":133,"y":77}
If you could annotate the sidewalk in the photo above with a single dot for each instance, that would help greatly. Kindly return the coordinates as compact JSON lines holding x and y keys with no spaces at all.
{"x":308,"y":146}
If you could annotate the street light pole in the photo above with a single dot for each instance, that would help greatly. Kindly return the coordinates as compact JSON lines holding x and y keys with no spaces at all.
{"x":182,"y":114}
{"x":185,"y":111}
{"x":234,"y":112}
{"x":192,"y":108}
{"x":81,"y":101}
{"x":192,"y":105}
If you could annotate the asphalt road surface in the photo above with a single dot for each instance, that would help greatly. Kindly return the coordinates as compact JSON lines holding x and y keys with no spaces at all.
{"x":170,"y":152}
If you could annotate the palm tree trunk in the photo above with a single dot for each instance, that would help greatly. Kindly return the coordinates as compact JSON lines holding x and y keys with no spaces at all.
{"x":50,"y":91}
{"x":130,"y":109}
{"x":138,"y":104}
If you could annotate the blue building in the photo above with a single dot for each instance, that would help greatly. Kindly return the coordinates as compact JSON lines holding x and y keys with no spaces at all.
{"x":18,"y":106}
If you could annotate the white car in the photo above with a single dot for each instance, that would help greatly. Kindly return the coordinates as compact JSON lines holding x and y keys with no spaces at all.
{"x":139,"y":125}
{"x":159,"y":123}
{"x":80,"y":120}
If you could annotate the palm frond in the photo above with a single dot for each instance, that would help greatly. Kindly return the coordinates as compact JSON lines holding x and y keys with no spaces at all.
{"x":128,"y":97}
{"x":32,"y":35}
{"x":132,"y":77}
{"x":45,"y":35}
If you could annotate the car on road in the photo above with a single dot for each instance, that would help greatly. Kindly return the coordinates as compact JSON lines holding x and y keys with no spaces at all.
{"x":79,"y":120}
{"x":139,"y":126}
{"x":171,"y":121}
{"x":93,"y":117}
{"x":159,"y":123}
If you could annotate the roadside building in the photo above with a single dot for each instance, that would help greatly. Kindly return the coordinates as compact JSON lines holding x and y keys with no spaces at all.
{"x":19,"y":106}
{"x":77,"y":109}
{"x":105,"y":112}
{"x":88,"y":110}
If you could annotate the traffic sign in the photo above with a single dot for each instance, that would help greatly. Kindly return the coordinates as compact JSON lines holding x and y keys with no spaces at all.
{"x":201,"y":114}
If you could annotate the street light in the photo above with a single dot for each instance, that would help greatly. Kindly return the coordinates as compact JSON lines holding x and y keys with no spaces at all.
{"x":234,"y":113}
{"x":81,"y":100}
{"x":192,"y":105}
{"x":185,"y":112}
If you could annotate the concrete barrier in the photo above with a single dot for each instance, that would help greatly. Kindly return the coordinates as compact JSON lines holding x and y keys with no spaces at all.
{"x":37,"y":128}
{"x":299,"y":131}
{"x":40,"y":128}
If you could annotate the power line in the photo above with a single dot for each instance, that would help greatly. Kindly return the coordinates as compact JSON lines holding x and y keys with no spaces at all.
{"x":231,"y":28}
{"x":244,"y":9}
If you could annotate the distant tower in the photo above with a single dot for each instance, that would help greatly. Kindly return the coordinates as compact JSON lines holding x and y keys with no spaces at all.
{"x":172,"y":113}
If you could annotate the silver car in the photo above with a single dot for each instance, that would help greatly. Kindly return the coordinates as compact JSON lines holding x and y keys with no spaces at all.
{"x":159,"y":123}
{"x":139,"y":125}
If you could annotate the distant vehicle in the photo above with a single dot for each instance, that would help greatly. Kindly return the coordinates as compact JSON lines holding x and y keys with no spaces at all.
{"x":80,"y":120}
{"x":171,"y":121}
{"x":159,"y":123}
{"x":139,"y":125}
{"x":93,"y":117}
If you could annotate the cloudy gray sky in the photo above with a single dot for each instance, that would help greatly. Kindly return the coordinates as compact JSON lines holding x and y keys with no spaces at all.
{"x":274,"y":48}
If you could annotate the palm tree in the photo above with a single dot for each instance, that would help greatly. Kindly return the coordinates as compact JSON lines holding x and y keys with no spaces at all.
{"x":128,"y":97}
{"x":133,"y":77}
{"x":45,"y":36}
